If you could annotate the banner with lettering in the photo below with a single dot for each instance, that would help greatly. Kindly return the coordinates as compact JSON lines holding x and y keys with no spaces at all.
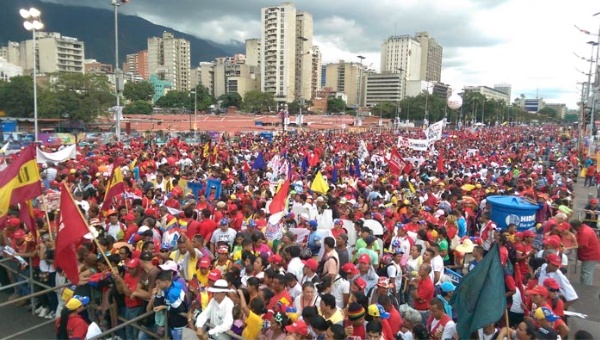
{"x":414,"y":144}
{"x":434,"y":131}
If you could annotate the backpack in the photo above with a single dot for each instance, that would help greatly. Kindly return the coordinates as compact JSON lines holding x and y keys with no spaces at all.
{"x":322,"y":265}
{"x":382,"y":270}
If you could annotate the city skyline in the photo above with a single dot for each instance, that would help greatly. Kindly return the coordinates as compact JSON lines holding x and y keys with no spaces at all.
{"x":527,"y":44}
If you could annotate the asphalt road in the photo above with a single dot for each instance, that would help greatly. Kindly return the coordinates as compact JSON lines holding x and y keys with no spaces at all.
{"x":15,"y":319}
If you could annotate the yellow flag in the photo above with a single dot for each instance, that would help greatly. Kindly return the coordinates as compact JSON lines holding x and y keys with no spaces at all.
{"x":206,"y":150}
{"x":132,"y":165}
{"x":411,"y":187}
{"x":319,"y":184}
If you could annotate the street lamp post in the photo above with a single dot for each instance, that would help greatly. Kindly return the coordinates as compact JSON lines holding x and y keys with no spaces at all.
{"x":118,"y":74}
{"x":360,"y":81}
{"x":592,"y":90}
{"x":33,"y":22}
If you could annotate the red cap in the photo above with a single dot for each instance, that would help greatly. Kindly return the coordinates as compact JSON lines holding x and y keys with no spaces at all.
{"x":311,"y":263}
{"x":360,"y":283}
{"x":552,"y":241}
{"x":111,"y":212}
{"x":528,"y":233}
{"x":364,"y":258}
{"x":214,"y":275}
{"x":537,"y":290}
{"x":276,"y":258}
{"x":204,"y":263}
{"x":551,"y":283}
{"x":18,"y":234}
{"x":132,"y":263}
{"x":298,"y":327}
{"x":554,"y":259}
{"x":564,"y":226}
{"x":224,"y":249}
{"x":13,"y":222}
{"x":129,"y":217}
{"x":349,"y":268}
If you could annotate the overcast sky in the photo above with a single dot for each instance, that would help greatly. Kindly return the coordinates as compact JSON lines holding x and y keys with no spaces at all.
{"x":527,"y":43}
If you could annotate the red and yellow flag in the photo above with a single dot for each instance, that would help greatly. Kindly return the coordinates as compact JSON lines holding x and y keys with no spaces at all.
{"x":20,"y":181}
{"x":114,"y":188}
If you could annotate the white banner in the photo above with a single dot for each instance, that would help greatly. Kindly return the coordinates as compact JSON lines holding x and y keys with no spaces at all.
{"x":434,"y":131}
{"x":68,"y":152}
{"x":415,"y":144}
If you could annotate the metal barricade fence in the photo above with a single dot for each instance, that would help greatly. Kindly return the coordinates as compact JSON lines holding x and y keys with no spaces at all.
{"x":47,"y":289}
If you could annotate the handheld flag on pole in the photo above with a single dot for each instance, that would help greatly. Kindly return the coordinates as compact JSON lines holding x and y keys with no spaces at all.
{"x":319,"y":184}
{"x":259,"y":162}
{"x":396,"y":162}
{"x":277,"y":206}
{"x":72,"y":227}
{"x":479,"y":298}
{"x":114,"y":188}
{"x":20,"y":181}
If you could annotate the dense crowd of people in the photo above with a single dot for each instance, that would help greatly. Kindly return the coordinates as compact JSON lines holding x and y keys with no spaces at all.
{"x":376,"y":255}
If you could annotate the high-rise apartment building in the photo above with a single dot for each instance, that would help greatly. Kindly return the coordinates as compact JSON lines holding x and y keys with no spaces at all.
{"x":55,"y":53}
{"x":345,"y":77}
{"x":317,"y":59}
{"x":137,"y":64}
{"x":401,"y":54}
{"x":169,"y":59}
{"x":253,"y":52}
{"x":431,"y":57}
{"x":206,"y":75}
{"x":96,"y":67}
{"x":11,"y":53}
{"x":304,"y":50}
{"x":278,"y":51}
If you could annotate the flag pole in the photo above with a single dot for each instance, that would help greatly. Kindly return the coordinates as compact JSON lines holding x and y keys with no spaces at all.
{"x":92,"y":234}
{"x":47,"y":217}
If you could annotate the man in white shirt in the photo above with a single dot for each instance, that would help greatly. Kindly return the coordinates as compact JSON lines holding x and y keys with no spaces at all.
{"x":551,"y":269}
{"x":295,"y":265}
{"x":437,"y":265}
{"x":218,"y":313}
{"x":441,"y":325}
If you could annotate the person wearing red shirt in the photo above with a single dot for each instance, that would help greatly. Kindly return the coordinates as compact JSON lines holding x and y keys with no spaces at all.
{"x":588,"y":251}
{"x":193,"y":226}
{"x":424,"y":291}
{"x":70,"y":324}
{"x":206,"y":226}
{"x":395,"y":319}
{"x":337,"y":228}
{"x":129,"y":286}
{"x":278,"y":286}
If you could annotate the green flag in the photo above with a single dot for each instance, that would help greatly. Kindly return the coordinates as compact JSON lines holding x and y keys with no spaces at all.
{"x":479,"y":298}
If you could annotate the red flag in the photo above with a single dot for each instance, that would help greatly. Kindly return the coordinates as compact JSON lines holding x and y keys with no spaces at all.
{"x":28,"y":217}
{"x":71,"y":229}
{"x":396,"y":162}
{"x":278,"y":203}
{"x":20,"y":181}
{"x":440,"y":162}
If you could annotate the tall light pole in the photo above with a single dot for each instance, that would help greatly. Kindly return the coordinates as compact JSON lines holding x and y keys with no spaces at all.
{"x":118,"y":74}
{"x":591,"y":92}
{"x":33,"y":22}
{"x":360,"y":81}
{"x":195,"y":112}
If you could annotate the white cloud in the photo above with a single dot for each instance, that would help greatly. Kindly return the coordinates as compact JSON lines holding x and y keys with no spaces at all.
{"x":527,"y":43}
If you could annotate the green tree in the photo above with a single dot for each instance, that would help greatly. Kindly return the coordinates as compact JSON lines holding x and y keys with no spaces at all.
{"x":385,"y":109}
{"x":82,"y":96}
{"x":16,"y":97}
{"x":174,"y":99}
{"x":336,"y":105}
{"x":548,"y":112}
{"x":294,"y":107}
{"x":258,"y":101}
{"x":204,"y":99}
{"x":138,"y":107}
{"x":571,"y":118}
{"x":230,"y":99}
{"x":135,"y":91}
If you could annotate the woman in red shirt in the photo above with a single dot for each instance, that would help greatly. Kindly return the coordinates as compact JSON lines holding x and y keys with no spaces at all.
{"x":70,"y":325}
